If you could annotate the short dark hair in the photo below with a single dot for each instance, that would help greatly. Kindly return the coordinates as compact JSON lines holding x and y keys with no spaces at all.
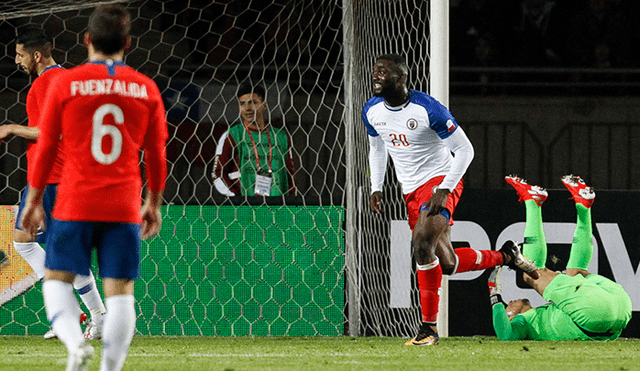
{"x":248,"y":88}
{"x":398,"y":60}
{"x":109,"y":27}
{"x":35,"y":39}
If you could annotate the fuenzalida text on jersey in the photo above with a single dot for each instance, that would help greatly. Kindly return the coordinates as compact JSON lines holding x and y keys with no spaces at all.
{"x":108,"y":86}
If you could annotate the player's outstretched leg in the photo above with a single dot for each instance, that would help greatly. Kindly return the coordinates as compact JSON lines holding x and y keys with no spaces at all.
{"x":517,"y":261}
{"x":582,"y":246}
{"x":534,"y":247}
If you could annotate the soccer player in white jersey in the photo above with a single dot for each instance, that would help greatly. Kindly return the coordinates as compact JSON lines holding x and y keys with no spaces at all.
{"x":430,"y":153}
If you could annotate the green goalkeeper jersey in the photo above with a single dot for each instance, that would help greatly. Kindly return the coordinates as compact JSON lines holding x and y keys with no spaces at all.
{"x":546,"y":322}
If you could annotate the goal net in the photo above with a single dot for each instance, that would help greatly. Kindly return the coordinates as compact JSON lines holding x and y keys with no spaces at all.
{"x":313,"y":263}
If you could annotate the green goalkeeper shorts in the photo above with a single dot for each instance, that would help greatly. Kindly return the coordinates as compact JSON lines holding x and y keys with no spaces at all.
{"x":594,"y":303}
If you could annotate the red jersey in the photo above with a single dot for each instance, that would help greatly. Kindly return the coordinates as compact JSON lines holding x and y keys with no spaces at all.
{"x":106,"y":113}
{"x":35,"y":102}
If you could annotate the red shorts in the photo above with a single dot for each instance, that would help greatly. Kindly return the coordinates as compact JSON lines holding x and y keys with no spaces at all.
{"x":420,"y":196}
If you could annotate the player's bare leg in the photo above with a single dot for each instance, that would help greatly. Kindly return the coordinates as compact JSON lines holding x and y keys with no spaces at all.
{"x":445,"y":252}
{"x":465,"y":259}
{"x":426,"y":236}
{"x":546,"y":275}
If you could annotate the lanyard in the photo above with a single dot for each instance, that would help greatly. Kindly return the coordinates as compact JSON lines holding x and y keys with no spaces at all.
{"x":255,"y":148}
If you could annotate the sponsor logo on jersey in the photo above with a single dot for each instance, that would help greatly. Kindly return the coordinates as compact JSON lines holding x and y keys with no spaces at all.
{"x":412,"y":124}
{"x":107,"y":87}
{"x":380,"y":124}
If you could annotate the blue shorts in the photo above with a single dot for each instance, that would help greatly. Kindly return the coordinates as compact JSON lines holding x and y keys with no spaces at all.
{"x":48,"y":200}
{"x":70,"y":245}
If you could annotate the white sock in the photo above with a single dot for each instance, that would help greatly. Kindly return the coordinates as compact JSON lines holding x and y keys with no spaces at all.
{"x":33,"y":254}
{"x":61,"y":303}
{"x":88,"y":291}
{"x":117,"y":331}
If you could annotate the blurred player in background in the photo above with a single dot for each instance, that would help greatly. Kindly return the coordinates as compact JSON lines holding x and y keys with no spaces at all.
{"x":253,"y":158}
{"x":582,"y":306}
{"x":430,"y":154}
{"x":33,"y":55}
{"x":106,"y":113}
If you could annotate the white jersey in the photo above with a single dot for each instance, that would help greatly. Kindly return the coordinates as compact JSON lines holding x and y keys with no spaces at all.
{"x":420,"y":136}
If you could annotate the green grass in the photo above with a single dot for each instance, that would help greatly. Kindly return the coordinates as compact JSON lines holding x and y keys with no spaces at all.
{"x":32,"y":353}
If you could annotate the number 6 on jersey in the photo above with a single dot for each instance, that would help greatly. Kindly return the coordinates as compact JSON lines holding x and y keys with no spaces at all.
{"x":100,"y":130}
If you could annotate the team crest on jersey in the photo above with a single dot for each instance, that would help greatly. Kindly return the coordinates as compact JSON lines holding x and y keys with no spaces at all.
{"x":412,"y":124}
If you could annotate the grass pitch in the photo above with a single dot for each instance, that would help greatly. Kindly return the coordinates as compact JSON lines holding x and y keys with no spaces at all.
{"x":32,"y":353}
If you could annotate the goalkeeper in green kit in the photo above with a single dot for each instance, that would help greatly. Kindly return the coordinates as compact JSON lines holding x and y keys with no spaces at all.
{"x":581,"y":306}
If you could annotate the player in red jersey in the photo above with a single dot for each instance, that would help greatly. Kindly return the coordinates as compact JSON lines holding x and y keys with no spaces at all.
{"x":33,"y":55}
{"x":106,"y":114}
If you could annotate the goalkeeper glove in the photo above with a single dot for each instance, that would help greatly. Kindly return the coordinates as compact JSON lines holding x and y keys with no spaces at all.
{"x":495,"y":289}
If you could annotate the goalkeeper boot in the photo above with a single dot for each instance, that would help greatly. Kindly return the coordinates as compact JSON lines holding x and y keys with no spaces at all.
{"x":527,"y":191}
{"x":517,"y":261}
{"x":426,"y":336}
{"x":79,"y":359}
{"x":580,"y":191}
{"x":52,"y":335}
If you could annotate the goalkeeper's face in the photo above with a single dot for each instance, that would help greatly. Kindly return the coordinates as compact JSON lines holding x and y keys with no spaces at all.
{"x":516,"y":307}
{"x":385,"y":78}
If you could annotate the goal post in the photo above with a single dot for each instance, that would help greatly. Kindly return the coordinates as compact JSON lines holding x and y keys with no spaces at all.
{"x":317,"y":263}
{"x":439,"y":89}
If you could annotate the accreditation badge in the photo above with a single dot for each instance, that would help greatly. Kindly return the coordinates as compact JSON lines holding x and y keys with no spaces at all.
{"x":263,"y":185}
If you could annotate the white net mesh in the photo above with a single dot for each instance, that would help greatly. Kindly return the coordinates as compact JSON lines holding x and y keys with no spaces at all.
{"x":239,"y":265}
{"x":19,"y":8}
{"x":404,"y":29}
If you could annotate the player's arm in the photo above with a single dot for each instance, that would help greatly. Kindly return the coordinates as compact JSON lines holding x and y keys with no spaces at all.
{"x":504,"y":328}
{"x":35,"y":101}
{"x":151,"y":216}
{"x":50,"y":127}
{"x":378,"y":167}
{"x":27,"y":132}
{"x":461,"y":146}
{"x":516,"y":329}
{"x":225,"y":169}
{"x":32,"y":217}
{"x":155,"y":158}
{"x":377,"y":163}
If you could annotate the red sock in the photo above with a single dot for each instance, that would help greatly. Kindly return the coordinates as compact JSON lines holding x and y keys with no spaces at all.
{"x":429,"y":282}
{"x":475,"y":260}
